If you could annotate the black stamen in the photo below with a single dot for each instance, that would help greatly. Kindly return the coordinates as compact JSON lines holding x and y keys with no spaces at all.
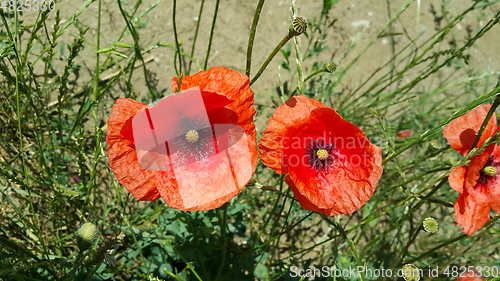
{"x":202,"y":148}
{"x":315,"y":163}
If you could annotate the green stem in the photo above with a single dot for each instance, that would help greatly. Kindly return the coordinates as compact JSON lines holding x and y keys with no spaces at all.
{"x":270,"y":57}
{"x":77,"y":264}
{"x":19,"y":117}
{"x":211,"y":34}
{"x":321,"y":70}
{"x":95,"y":99}
{"x":196,"y":237}
{"x":354,"y":249}
{"x":223,"y":226}
{"x":178,"y":71}
{"x":137,"y":49}
{"x":256,"y":17}
{"x":475,"y":103}
{"x":195,"y":36}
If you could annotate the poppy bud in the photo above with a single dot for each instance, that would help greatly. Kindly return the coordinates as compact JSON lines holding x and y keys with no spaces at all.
{"x":86,"y":235}
{"x":430,"y":225}
{"x":298,"y":26}
{"x":411,"y":272}
{"x":330,"y":67}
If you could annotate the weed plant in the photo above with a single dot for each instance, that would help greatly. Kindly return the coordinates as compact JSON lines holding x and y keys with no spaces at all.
{"x":54,"y":173}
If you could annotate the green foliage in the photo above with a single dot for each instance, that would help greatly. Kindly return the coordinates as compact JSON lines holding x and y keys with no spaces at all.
{"x":54,"y":174}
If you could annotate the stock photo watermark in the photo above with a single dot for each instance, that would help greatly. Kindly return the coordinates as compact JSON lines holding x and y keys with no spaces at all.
{"x":27,"y":6}
{"x":409,"y":272}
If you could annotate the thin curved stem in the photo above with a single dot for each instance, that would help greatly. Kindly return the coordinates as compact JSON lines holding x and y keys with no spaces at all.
{"x":223,"y":226}
{"x":195,"y":36}
{"x":256,"y":17}
{"x":321,"y":70}
{"x":270,"y":57}
{"x":211,"y":34}
{"x":178,"y":71}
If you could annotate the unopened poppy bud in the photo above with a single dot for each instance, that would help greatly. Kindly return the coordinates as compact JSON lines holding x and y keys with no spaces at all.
{"x":330,"y":67}
{"x":430,"y":225}
{"x":411,"y":272}
{"x":490,"y":171}
{"x":298,"y":26}
{"x":86,"y":235}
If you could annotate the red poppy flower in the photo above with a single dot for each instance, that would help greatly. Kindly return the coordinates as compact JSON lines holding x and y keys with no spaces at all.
{"x":470,"y":276}
{"x":404,"y":133}
{"x":196,"y":149}
{"x":479,"y":183}
{"x":332,"y":167}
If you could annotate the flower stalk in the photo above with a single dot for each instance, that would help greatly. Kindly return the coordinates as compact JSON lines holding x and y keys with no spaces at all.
{"x":252,"y":36}
{"x":298,"y":26}
{"x":329,"y":67}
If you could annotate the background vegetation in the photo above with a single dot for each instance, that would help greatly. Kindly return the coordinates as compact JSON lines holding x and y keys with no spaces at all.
{"x":60,"y":79}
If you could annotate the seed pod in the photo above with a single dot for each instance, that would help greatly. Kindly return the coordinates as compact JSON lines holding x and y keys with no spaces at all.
{"x":430,"y":225}
{"x":298,"y":26}
{"x":86,"y":236}
{"x":330,"y":67}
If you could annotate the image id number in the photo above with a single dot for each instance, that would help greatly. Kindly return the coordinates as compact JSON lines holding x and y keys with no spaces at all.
{"x":27,"y":5}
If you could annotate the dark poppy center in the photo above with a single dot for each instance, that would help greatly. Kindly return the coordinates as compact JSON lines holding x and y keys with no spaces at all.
{"x":194,"y":139}
{"x":320,"y":155}
{"x":489,"y":171}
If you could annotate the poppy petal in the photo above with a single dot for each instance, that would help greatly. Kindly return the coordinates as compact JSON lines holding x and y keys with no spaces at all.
{"x":494,"y":195}
{"x":122,"y":155}
{"x":294,"y":113}
{"x":191,"y":171}
{"x":476,"y":164}
{"x":462,"y":131}
{"x":236,"y":87}
{"x":472,"y":210}
{"x":305,"y":203}
{"x":457,"y":178}
{"x":494,"y":186}
{"x":208,"y":184}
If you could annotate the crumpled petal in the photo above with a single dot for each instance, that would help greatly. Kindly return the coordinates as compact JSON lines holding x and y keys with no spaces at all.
{"x":472,"y":210}
{"x":236,"y":87}
{"x":207,"y":184}
{"x":305,"y":203}
{"x":457,"y":178}
{"x":462,"y":131}
{"x":494,"y":186}
{"x":122,"y":155}
{"x":476,"y":164}
{"x":294,"y":113}
{"x":210,"y":183}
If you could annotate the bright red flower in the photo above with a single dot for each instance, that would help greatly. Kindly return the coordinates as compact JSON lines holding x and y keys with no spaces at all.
{"x":479,"y":183}
{"x":196,"y":149}
{"x":470,"y":276}
{"x":332,"y":167}
{"x":404,"y":134}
